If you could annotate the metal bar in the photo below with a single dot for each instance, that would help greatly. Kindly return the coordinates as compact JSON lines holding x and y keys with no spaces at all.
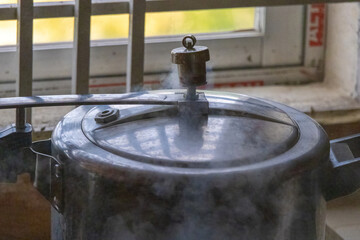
{"x":135,"y":50}
{"x":20,"y":118}
{"x":191,"y":93}
{"x":89,"y":99}
{"x":81,"y":50}
{"x":24,"y":56}
{"x":24,"y":48}
{"x":100,"y":7}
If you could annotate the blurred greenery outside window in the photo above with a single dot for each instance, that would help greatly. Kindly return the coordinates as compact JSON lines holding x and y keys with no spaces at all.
{"x":117,"y":26}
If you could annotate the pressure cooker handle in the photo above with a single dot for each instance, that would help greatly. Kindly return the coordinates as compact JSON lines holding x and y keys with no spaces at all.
{"x":14,"y":153}
{"x":344,"y":175}
{"x":48,"y":174}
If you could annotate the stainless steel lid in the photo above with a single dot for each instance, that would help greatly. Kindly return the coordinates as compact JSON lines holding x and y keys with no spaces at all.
{"x":239,"y":134}
{"x":236,"y":132}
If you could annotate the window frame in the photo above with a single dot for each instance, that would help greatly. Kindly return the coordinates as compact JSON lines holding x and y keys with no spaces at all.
{"x":52,"y":62}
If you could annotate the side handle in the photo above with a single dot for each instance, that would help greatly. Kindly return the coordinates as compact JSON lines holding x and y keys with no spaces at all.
{"x":344,"y":173}
{"x":14,"y":157}
{"x":48,"y":174}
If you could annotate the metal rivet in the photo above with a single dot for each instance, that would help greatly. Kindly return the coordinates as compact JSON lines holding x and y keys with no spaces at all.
{"x":58,"y":169}
{"x":107,"y":115}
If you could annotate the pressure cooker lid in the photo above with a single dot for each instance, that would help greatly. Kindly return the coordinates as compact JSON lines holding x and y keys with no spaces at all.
{"x":235,"y":132}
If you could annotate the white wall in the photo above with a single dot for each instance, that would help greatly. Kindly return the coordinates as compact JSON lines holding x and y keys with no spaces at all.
{"x":342,"y":49}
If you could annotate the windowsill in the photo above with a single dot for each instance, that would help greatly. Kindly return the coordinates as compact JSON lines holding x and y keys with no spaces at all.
{"x":325,"y":103}
{"x":314,"y":97}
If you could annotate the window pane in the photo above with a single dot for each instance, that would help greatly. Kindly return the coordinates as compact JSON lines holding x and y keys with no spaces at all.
{"x":200,"y":21}
{"x":7,"y":32}
{"x":109,"y":26}
{"x":53,"y":30}
{"x":174,"y":23}
{"x":45,"y":30}
{"x":157,"y":24}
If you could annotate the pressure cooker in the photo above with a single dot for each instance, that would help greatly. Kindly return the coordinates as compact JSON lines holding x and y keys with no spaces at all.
{"x":175,"y":164}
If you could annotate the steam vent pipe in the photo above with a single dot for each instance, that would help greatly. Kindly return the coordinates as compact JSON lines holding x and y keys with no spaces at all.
{"x":191,"y":61}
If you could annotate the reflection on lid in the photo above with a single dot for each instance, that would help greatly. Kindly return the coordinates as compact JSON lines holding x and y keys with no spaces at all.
{"x":222,"y":141}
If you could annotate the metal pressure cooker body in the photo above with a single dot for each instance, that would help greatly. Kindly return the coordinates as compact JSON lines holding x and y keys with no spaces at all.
{"x":247,"y":169}
{"x":182,"y":165}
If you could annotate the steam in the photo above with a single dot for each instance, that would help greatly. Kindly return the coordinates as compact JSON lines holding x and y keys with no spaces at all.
{"x":214,"y":209}
{"x":171,"y":81}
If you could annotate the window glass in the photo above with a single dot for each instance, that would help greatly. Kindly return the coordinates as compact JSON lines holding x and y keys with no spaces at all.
{"x":200,"y":21}
{"x":117,"y":26}
{"x":7,"y":32}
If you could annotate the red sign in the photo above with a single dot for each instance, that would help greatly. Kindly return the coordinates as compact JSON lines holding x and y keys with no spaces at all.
{"x":239,"y":84}
{"x":317,"y":25}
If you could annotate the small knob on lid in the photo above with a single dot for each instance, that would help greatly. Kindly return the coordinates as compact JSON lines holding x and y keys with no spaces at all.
{"x":191,"y":62}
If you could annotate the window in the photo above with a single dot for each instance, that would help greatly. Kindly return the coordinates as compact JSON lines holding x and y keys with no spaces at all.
{"x":157,"y":24}
{"x":268,"y":48}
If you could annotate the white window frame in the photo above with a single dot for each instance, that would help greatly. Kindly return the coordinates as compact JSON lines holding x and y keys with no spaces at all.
{"x":255,"y":63}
